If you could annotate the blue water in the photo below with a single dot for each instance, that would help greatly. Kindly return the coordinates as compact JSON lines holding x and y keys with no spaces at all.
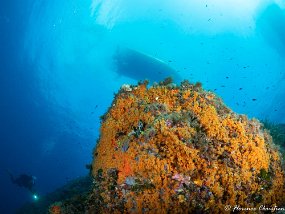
{"x":57,"y":74}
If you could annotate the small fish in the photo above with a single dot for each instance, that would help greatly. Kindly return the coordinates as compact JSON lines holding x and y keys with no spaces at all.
{"x":240,"y":89}
{"x":253,"y":99}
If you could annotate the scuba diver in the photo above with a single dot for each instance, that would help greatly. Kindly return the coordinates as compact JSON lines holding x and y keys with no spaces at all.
{"x":26,"y":181}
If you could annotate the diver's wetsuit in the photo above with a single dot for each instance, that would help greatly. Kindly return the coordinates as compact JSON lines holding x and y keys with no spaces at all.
{"x":24,"y":180}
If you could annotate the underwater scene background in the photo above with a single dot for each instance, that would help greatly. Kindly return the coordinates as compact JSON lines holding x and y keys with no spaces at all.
{"x":62,"y":61}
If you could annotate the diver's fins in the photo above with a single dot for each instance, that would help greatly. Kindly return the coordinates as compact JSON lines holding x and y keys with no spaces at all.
{"x":11,"y":175}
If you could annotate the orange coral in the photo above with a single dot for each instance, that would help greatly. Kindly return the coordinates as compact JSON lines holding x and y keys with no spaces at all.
{"x":55,"y":209}
{"x":152,"y":136}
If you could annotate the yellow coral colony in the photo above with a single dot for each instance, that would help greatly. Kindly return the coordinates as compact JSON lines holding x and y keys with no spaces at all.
{"x":180,"y":149}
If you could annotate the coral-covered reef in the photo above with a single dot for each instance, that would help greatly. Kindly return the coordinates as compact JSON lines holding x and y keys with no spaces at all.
{"x":179,"y":149}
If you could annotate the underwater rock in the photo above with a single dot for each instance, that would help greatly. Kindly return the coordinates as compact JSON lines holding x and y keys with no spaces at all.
{"x":187,"y":152}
